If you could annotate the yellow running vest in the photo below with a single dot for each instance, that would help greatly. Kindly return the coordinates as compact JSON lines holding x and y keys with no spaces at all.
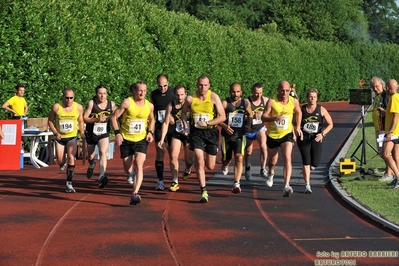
{"x":202,"y":110}
{"x":67,"y":124}
{"x":278,"y":129}
{"x":135,"y":121}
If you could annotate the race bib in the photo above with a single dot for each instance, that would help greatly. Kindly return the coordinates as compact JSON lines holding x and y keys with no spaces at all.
{"x":161,"y":116}
{"x":236,"y":119}
{"x":283,"y":124}
{"x":136,"y":126}
{"x":180,"y":127}
{"x":311,"y":127}
{"x":100,"y":128}
{"x":66,"y":126}
{"x":200,"y":117}
{"x":256,"y":121}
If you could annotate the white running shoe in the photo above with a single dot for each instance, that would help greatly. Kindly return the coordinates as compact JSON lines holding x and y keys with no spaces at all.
{"x":160,"y":186}
{"x":386,"y":178}
{"x":263,"y":173}
{"x":225,"y":170}
{"x":236,"y":188}
{"x":63,"y":167}
{"x":69,"y":188}
{"x":269,"y":180}
{"x":287,"y":191}
{"x":308,"y":189}
{"x":130,"y":177}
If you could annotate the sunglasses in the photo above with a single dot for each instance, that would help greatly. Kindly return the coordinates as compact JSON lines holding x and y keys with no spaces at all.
{"x":69,"y":98}
{"x":162,"y":86}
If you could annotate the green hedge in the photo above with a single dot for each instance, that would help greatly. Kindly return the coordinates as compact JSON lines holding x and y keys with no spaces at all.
{"x":50,"y":45}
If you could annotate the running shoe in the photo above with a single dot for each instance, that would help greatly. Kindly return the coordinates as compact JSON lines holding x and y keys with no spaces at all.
{"x":287,"y":191}
{"x":130,"y":177}
{"x":312,"y":167}
{"x":204,"y":197}
{"x":225,"y":170}
{"x":248,"y":174}
{"x":103,"y":181}
{"x":174,"y":186}
{"x":187,"y":174}
{"x":90,"y":170}
{"x":160,"y":186}
{"x":386,"y":178}
{"x":263,"y":173}
{"x":62,"y":167}
{"x":396,"y":184}
{"x":135,"y":199}
{"x":236,"y":188}
{"x":308,"y":189}
{"x":269,"y":180}
{"x":69,"y":188}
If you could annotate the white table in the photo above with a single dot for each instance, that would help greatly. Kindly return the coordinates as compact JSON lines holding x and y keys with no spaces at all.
{"x":34,"y":145}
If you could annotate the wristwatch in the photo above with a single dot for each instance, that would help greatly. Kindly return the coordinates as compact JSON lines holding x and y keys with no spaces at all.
{"x":151,"y":131}
{"x":324,"y":134}
{"x":208,"y":123}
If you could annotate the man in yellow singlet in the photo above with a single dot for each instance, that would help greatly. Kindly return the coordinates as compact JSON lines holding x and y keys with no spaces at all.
{"x":65,"y":120}
{"x":279,"y":113}
{"x":204,"y":135}
{"x":134,"y":133}
{"x":17,"y":104}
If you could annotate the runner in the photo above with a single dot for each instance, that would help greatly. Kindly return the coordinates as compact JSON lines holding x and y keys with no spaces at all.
{"x":279,"y":113}
{"x":204,"y":135}
{"x":97,"y":117}
{"x":233,"y":132}
{"x":258,"y":131}
{"x":160,"y":98}
{"x":64,"y":120}
{"x":314,"y":133}
{"x":172,"y":130}
{"x":134,"y":134}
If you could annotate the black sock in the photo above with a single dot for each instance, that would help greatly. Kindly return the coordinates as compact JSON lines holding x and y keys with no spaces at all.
{"x":203,"y":188}
{"x":70,"y":171}
{"x":159,"y":169}
{"x":247,"y":168}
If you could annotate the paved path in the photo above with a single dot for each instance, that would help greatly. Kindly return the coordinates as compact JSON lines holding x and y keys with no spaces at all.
{"x":42,"y":225}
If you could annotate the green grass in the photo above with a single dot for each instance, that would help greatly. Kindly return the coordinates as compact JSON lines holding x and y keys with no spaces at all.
{"x":377,"y":196}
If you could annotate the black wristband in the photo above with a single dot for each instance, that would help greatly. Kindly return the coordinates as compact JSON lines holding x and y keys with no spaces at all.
{"x":117,"y":131}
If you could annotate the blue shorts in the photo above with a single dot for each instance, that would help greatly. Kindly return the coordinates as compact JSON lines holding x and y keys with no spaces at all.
{"x":252,"y":135}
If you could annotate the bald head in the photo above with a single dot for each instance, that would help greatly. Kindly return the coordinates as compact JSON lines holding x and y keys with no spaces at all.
{"x":284,"y":84}
{"x":392,"y":86}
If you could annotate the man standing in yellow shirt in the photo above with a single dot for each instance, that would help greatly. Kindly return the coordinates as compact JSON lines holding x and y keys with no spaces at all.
{"x":390,"y":148}
{"x":17,"y":104}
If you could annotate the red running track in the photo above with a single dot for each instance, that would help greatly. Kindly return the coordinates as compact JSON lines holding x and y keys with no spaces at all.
{"x":40,"y":224}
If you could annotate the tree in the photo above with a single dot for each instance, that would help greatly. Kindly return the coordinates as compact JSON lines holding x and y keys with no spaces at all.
{"x":383,"y":19}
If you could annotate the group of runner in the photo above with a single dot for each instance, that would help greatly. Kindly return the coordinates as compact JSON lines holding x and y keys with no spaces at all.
{"x":177,"y":121}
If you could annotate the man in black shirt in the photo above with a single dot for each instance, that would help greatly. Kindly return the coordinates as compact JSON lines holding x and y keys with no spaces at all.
{"x":160,"y":98}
